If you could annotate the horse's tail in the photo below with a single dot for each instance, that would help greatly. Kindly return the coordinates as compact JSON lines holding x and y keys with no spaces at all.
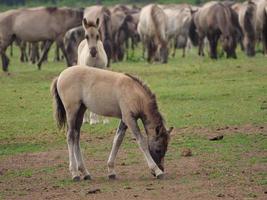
{"x":58,"y":107}
{"x":264,"y":30}
{"x":193,"y":35}
{"x":157,"y":14}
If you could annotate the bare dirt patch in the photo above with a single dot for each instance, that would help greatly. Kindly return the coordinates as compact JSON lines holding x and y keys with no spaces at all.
{"x":45,"y":175}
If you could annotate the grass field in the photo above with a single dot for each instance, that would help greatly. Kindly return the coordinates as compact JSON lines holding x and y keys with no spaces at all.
{"x":200,"y":97}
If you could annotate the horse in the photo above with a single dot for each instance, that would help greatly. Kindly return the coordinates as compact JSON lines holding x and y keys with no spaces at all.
{"x":178,"y":24}
{"x":261,"y":23}
{"x":78,"y":88}
{"x":214,"y":20}
{"x":103,"y":14}
{"x":247,"y":21}
{"x":152,"y":30}
{"x":37,"y":24}
{"x":72,"y":39}
{"x":124,"y":27}
{"x":91,"y":52}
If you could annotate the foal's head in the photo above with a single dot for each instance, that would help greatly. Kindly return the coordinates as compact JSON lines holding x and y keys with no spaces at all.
{"x":92,"y":35}
{"x":158,"y":143}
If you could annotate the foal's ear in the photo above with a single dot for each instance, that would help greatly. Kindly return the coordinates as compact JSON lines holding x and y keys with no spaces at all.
{"x":97,"y":22}
{"x":85,"y":23}
{"x":170,"y":130}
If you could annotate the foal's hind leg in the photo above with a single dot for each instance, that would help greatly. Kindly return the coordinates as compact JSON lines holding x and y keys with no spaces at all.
{"x":115,"y":147}
{"x":77,"y":149}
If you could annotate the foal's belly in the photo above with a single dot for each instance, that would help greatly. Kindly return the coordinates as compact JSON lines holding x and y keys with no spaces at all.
{"x":103,"y":105}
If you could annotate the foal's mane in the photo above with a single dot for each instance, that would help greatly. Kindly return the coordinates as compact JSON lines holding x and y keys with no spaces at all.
{"x":153,"y":106}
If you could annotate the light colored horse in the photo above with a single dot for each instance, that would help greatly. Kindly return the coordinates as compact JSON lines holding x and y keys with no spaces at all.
{"x":103,"y":14}
{"x":152,"y":30}
{"x":178,"y":24}
{"x":37,"y":24}
{"x":107,"y":93}
{"x":247,"y":20}
{"x":91,"y":52}
{"x":261,"y":23}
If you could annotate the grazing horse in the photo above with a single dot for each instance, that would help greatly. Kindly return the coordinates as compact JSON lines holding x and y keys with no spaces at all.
{"x":103,"y":14}
{"x":247,"y":21}
{"x":152,"y":30}
{"x":214,"y":20}
{"x":179,"y":21}
{"x":261,"y":23}
{"x":37,"y":24}
{"x":72,"y":39}
{"x":78,"y":88}
{"x":91,"y":52}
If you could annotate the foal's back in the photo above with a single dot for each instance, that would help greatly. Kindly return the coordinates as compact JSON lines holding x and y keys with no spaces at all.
{"x":103,"y":92}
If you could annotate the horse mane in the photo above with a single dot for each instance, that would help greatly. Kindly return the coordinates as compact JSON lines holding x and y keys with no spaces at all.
{"x":51,"y":10}
{"x":153,"y":106}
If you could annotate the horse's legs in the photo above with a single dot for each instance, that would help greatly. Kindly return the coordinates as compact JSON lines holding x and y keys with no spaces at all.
{"x":5,"y":61}
{"x":213,"y":45}
{"x":61,"y":46}
{"x":46,"y":48}
{"x":94,"y":119}
{"x":115,"y":147}
{"x":143,"y":144}
{"x":77,"y":149}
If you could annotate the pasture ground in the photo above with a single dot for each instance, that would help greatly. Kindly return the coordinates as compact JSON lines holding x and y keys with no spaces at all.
{"x":198,"y":96}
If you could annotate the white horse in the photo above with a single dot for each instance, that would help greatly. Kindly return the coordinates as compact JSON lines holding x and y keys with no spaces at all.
{"x":91,"y":52}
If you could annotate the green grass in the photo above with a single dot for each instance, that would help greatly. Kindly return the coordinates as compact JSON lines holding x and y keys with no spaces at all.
{"x":191,"y":92}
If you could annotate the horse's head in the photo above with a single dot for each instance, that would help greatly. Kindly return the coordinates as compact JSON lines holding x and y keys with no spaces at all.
{"x":92,"y":36}
{"x":229,"y":45}
{"x":163,"y":52}
{"x":158,"y":143}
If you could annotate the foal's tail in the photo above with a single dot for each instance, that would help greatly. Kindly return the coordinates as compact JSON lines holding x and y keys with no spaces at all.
{"x":58,"y":107}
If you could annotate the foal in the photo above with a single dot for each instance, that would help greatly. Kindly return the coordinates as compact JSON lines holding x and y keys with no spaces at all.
{"x":115,"y":95}
{"x":91,"y":52}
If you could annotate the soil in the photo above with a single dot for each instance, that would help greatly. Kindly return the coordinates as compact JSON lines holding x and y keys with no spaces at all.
{"x":45,"y":175}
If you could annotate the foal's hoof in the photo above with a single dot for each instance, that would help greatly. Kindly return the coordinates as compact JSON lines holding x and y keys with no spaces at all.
{"x":76,"y":178}
{"x":112,"y":177}
{"x":160,"y":176}
{"x":87,"y":177}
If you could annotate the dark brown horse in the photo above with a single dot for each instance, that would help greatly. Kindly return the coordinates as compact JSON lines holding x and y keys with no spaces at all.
{"x":37,"y":24}
{"x":216,"y":21}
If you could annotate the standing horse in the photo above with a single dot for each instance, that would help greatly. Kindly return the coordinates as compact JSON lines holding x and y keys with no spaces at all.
{"x":103,"y":14}
{"x":152,"y":30}
{"x":178,"y":24}
{"x":247,"y":21}
{"x":261,"y":23}
{"x":78,"y":88}
{"x":214,"y":20}
{"x":37,"y":24}
{"x":72,"y":39}
{"x":91,"y":52}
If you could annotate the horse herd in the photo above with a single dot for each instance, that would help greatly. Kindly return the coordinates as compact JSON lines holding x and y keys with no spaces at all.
{"x":158,"y":27}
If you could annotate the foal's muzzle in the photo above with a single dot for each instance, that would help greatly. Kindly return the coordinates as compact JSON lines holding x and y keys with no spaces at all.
{"x":93,"y":52}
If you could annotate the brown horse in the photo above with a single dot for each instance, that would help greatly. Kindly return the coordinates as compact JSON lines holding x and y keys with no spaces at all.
{"x":103,"y":14}
{"x":152,"y":30}
{"x":78,"y":88}
{"x":214,"y":20}
{"x":37,"y":24}
{"x":247,"y":21}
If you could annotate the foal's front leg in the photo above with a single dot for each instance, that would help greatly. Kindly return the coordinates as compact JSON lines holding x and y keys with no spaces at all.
{"x":120,"y":133}
{"x":143,"y":144}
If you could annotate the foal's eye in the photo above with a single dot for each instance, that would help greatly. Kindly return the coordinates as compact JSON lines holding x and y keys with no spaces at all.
{"x":97,"y":37}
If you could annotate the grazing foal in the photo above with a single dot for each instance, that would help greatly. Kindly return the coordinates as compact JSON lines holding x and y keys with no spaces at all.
{"x":107,"y":93}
